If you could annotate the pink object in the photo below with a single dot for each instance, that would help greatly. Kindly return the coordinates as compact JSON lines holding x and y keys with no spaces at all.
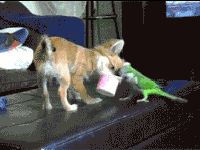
{"x":107,"y":85}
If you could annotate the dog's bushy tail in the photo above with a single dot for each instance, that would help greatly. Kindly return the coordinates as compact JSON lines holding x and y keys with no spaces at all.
{"x":46,"y":45}
{"x":43,"y":51}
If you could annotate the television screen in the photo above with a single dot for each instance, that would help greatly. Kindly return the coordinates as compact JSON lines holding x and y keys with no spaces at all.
{"x":182,"y":8}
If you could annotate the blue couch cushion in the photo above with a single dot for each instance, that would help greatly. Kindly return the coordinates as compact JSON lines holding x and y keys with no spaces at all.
{"x":71,"y":28}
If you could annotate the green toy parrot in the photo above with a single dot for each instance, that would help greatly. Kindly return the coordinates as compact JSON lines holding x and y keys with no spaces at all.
{"x":147,"y":86}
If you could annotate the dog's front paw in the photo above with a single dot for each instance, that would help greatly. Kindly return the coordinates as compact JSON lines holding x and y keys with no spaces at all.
{"x":124,"y":99}
{"x":93,"y":100}
{"x":72,"y":107}
{"x":47,"y":106}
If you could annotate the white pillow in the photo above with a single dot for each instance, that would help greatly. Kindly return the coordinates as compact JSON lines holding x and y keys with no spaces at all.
{"x":17,"y":58}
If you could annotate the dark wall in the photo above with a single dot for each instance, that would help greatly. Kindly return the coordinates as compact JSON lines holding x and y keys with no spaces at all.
{"x":160,"y":47}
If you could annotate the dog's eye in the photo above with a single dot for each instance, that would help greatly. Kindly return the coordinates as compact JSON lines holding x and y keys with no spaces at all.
{"x":53,"y":49}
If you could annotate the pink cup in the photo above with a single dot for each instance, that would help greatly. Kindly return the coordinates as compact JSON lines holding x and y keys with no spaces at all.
{"x":107,"y":85}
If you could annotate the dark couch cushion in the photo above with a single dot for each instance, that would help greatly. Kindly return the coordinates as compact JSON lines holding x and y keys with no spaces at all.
{"x":12,"y":80}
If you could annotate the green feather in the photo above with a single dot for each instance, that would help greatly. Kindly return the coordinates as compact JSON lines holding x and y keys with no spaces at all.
{"x":148,"y":86}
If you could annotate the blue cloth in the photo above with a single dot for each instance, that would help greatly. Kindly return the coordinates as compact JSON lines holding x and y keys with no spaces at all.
{"x":174,"y":86}
{"x":3,"y":43}
{"x":71,"y":28}
{"x":21,"y":35}
{"x":7,"y":42}
{"x":3,"y":103}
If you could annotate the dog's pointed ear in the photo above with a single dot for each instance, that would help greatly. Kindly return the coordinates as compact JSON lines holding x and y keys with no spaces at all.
{"x":117,"y":46}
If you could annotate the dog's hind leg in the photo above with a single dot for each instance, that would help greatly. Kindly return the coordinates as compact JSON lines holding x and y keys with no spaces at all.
{"x":64,"y":85}
{"x":47,"y":104}
{"x":77,"y":82}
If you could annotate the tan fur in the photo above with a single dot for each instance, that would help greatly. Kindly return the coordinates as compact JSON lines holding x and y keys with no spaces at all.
{"x":70,"y":63}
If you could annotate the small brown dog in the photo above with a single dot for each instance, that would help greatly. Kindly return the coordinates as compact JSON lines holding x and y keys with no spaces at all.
{"x":71,"y":63}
